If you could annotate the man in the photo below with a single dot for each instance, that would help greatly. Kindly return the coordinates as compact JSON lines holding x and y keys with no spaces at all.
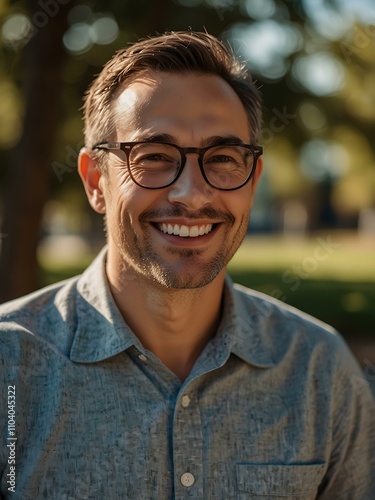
{"x":151,"y":376}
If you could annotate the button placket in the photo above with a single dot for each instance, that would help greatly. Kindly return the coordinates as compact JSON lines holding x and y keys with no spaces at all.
{"x":187,"y":446}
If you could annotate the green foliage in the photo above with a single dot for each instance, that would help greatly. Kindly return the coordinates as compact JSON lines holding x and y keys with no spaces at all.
{"x":296,"y":112}
{"x":314,"y":62}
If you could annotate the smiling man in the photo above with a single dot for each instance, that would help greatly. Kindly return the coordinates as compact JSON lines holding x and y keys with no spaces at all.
{"x":152,"y":376}
{"x":177,"y":207}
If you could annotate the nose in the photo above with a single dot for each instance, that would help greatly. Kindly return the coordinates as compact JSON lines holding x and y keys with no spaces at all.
{"x":191,"y":189}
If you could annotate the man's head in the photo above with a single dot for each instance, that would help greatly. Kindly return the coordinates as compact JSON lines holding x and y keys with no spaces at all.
{"x":175,"y":52}
{"x":177,"y":121}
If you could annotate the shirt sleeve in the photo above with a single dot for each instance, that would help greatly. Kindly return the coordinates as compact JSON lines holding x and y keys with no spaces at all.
{"x":351,"y":469}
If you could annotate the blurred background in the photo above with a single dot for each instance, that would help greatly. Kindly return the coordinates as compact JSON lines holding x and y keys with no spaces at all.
{"x":311,"y":240}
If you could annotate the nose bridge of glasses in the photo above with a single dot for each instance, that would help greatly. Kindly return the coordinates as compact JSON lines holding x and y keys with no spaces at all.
{"x":190,"y":151}
{"x":192,"y":175}
{"x":190,"y":186}
{"x":193,"y":155}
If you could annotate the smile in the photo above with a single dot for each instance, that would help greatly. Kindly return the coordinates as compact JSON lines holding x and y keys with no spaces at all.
{"x":185,"y":231}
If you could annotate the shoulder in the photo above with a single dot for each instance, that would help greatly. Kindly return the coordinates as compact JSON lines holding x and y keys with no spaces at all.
{"x":309,"y":350}
{"x":44,"y":315}
{"x":287,"y":332}
{"x":37,"y":303}
{"x":260,"y":306}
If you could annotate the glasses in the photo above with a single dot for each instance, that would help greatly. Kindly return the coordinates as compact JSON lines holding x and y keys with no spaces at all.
{"x":156,"y":165}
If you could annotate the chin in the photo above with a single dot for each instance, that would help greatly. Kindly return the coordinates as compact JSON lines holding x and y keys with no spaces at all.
{"x":185,"y":280}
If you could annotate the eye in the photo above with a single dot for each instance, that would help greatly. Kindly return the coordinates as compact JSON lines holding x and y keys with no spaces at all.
{"x":222,"y":158}
{"x":225,"y":154}
{"x":155,"y":157}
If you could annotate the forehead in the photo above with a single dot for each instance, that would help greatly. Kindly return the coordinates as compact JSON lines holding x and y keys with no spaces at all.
{"x":182,"y":105}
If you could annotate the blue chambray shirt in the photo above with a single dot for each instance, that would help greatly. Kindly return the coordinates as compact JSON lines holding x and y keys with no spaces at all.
{"x":275,"y":407}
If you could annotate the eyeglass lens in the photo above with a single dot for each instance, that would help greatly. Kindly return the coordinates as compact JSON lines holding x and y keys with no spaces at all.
{"x":157,"y":165}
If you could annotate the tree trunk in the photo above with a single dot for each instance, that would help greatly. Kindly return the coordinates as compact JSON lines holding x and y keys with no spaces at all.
{"x":30,"y":161}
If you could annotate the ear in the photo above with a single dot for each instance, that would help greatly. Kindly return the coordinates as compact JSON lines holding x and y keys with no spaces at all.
{"x":92,"y":180}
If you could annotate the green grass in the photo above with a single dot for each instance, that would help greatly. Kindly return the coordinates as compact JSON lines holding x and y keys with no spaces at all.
{"x":337,"y":256}
{"x":331,"y":276}
{"x":338,"y":289}
{"x":51,"y":271}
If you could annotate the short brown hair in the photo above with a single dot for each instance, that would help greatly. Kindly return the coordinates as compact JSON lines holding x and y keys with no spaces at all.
{"x":178,"y":52}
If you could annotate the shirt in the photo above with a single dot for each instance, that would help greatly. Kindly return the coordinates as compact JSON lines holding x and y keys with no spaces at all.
{"x":274,"y":407}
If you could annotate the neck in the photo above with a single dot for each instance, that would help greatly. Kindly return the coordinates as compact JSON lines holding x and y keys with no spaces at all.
{"x":173,"y":324}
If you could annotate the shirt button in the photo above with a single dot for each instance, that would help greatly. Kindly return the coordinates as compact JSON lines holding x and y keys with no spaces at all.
{"x":142,"y":357}
{"x":185,"y":401}
{"x":187,"y":479}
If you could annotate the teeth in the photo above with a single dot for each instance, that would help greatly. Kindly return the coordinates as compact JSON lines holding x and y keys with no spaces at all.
{"x":194,"y":232}
{"x":185,"y":231}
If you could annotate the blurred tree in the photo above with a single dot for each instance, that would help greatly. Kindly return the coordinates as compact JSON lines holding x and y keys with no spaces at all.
{"x":29,"y":162}
{"x":46,"y":64}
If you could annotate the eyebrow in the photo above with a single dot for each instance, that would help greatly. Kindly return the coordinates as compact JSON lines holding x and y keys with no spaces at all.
{"x":215,"y":140}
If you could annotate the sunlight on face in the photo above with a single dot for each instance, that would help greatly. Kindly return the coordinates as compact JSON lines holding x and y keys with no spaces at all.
{"x":181,"y":236}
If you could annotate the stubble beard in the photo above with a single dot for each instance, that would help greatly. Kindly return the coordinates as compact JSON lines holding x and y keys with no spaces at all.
{"x":193,"y":272}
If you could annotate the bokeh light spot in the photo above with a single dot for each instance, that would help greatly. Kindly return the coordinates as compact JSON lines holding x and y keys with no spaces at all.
{"x":267,"y":45}
{"x":259,"y":9}
{"x":312,"y":117}
{"x":322,"y":159}
{"x":15,"y":28}
{"x":78,"y":38}
{"x":104,"y":30}
{"x":320,"y":73}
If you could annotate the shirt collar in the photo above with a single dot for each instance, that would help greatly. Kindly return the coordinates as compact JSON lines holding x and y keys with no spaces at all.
{"x":101,"y":331}
{"x":247,"y":323}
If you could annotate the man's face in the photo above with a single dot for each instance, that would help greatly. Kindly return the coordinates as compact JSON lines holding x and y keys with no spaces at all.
{"x":188,"y":110}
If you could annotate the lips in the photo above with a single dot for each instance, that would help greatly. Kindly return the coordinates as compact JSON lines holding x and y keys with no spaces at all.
{"x":185,"y":231}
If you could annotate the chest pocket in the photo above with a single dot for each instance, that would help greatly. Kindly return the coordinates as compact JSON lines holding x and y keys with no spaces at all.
{"x":297,"y":482}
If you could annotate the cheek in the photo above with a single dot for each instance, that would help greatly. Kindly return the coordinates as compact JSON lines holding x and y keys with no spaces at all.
{"x":119,"y":195}
{"x":128,"y":201}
